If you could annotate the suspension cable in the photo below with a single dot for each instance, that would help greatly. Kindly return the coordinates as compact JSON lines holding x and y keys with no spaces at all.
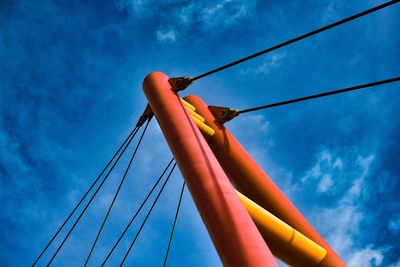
{"x":357,"y":87}
{"x":299,"y":38}
{"x":93,"y":196}
{"x":148,"y":214}
{"x":82,"y":199}
{"x":137,"y":212}
{"x":116,"y":194}
{"x":173,"y":225}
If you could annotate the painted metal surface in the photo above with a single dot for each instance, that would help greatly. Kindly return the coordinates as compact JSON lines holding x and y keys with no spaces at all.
{"x":285,"y":242}
{"x":249,"y":178}
{"x":234,"y":234}
{"x":194,"y":114}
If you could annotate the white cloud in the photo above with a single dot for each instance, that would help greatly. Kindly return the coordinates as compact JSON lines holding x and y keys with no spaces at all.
{"x":166,"y":36}
{"x":224,"y":13}
{"x":397,"y":264}
{"x":259,"y":122}
{"x":130,"y":5}
{"x":330,"y":12}
{"x":273,"y":62}
{"x":212,"y":16}
{"x":209,"y":15}
{"x":338,"y":163}
{"x":140,"y":7}
{"x":186,"y":15}
{"x":325,"y":183}
{"x":330,"y":167}
{"x":366,"y":258}
{"x":341,"y":223}
{"x":357,"y":184}
{"x":325,"y":167}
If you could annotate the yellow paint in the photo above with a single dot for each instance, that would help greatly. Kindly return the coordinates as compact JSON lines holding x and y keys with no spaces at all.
{"x":194,"y":114}
{"x":203,"y":127}
{"x":269,"y":225}
{"x":188,"y":105}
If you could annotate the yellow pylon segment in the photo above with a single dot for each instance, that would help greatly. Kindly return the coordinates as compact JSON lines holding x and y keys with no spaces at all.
{"x":205,"y":129}
{"x":194,"y":114}
{"x":295,"y":248}
{"x":199,"y":120}
{"x":189,"y":106}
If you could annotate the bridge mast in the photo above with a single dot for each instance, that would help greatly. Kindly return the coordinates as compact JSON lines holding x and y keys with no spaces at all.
{"x":235,"y":236}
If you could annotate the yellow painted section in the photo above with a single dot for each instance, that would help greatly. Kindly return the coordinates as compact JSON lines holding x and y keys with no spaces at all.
{"x":306,"y":251}
{"x":194,"y":114}
{"x":198,"y":119}
{"x":188,"y":105}
{"x":203,"y":127}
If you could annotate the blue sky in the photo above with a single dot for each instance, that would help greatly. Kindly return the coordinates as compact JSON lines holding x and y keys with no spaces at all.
{"x":70,"y":91}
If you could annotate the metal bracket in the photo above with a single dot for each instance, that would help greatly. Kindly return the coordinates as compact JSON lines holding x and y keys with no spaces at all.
{"x":223,"y":114}
{"x":180,"y":83}
{"x":146,"y":115}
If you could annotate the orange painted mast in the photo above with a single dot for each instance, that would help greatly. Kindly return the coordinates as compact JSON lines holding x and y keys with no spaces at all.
{"x":249,"y":178}
{"x":233,"y":232}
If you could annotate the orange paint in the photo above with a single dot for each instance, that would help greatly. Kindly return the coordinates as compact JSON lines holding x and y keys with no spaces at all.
{"x":233,"y":232}
{"x":285,"y":242}
{"x":252,"y":181}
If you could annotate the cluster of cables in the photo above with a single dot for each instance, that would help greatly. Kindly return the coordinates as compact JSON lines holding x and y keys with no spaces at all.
{"x":181,"y":84}
{"x":95,"y":188}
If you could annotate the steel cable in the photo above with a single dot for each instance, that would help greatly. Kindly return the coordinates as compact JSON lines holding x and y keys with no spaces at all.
{"x":174,"y":224}
{"x":296,"y":39}
{"x":82,"y":199}
{"x":116,"y":194}
{"x":147,"y":215}
{"x":353,"y":88}
{"x":137,"y":212}
{"x":93,"y":196}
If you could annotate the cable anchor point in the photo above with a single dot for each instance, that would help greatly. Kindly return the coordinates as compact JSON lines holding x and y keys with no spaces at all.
{"x":224,"y":114}
{"x":147,"y":115}
{"x":180,"y":83}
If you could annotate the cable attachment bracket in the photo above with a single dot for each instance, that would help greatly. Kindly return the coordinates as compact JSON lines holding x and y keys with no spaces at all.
{"x":223,"y":114}
{"x":180,"y":83}
{"x":146,"y":115}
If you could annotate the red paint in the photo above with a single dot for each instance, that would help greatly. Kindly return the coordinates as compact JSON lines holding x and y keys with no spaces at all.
{"x":253,"y":182}
{"x":234,"y":234}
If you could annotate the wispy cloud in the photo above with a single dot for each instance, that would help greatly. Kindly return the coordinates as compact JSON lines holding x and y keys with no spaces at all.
{"x":366,"y":258}
{"x":348,"y":216}
{"x":166,"y":36}
{"x":397,"y":264}
{"x":136,"y":7}
{"x":271,"y":63}
{"x":70,"y":78}
{"x":225,"y":13}
{"x":213,"y":15}
{"x":326,"y":166}
{"x":210,"y":17}
{"x":259,"y":121}
{"x":330,"y":12}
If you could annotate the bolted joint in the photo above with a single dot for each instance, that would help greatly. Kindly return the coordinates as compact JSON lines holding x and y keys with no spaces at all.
{"x":224,"y":114}
{"x":180,"y":83}
{"x":141,"y":120}
{"x":147,"y":115}
{"x":229,"y":113}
